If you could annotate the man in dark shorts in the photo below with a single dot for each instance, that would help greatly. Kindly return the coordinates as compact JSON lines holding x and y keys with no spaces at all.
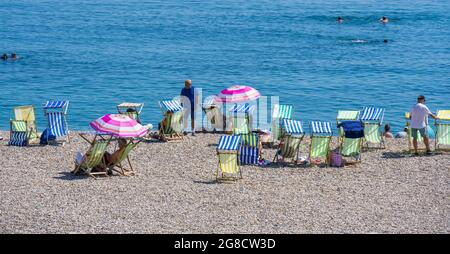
{"x":189,"y":97}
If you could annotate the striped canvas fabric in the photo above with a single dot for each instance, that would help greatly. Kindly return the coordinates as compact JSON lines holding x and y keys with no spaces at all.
{"x":351,"y":147}
{"x":25,"y":113}
{"x":248,"y":155}
{"x":443,"y":134}
{"x":320,"y":127}
{"x":249,"y":149}
{"x":282,"y":111}
{"x":170,"y":105}
{"x":371,"y":114}
{"x":56,"y":124}
{"x":229,"y":143}
{"x":130,"y":105}
{"x":347,"y":115}
{"x":55,"y":104}
{"x":228,"y":163}
{"x":18,"y":139}
{"x":19,"y":126}
{"x":443,"y":114}
{"x":292,"y":126}
{"x":244,"y":108}
{"x":96,"y":154}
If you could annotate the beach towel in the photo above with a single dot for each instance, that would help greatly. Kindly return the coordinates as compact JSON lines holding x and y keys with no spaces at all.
{"x":352,"y":129}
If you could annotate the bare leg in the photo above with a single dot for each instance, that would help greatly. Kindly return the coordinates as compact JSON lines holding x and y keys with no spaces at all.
{"x":426,"y":140}
{"x":415,"y":144}
{"x":192,"y":122}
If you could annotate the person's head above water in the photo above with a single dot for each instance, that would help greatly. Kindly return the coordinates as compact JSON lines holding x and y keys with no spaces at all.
{"x":13,"y":55}
{"x":339,"y":19}
{"x":385,"y":41}
{"x":384,"y":19}
{"x":387,"y":128}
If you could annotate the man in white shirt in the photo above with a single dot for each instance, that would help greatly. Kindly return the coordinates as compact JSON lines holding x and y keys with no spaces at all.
{"x":419,"y":123}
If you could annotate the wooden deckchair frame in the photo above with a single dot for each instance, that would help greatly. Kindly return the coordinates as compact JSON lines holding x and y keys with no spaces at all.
{"x":175,"y":136}
{"x":92,"y":143}
{"x":276,"y":159}
{"x":238,"y":165}
{"x":122,"y":170}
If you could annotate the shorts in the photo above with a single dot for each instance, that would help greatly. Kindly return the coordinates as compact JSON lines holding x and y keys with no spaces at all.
{"x":423,"y":132}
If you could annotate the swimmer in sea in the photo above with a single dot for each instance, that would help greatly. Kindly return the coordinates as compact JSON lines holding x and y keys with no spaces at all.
{"x":14,"y":56}
{"x":384,"y":20}
{"x":339,"y":20}
{"x":4,"y":57}
{"x":385,"y":41}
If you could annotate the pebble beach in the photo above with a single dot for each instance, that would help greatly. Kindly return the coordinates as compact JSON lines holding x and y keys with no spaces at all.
{"x":174,"y":191}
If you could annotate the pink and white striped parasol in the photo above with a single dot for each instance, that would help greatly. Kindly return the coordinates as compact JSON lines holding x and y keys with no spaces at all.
{"x":118,"y":125}
{"x":237,"y":93}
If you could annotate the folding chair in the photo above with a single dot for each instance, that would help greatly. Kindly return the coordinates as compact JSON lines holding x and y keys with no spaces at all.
{"x":280,"y":112}
{"x":442,"y":124}
{"x":321,"y":134}
{"x":214,"y":116}
{"x":250,"y":149}
{"x":346,"y":115}
{"x":292,"y":135}
{"x":19,"y":133}
{"x":94,"y":157}
{"x":242,"y":118}
{"x":372,"y":119}
{"x":350,"y":143}
{"x":118,"y":166}
{"x":227,"y":153}
{"x":131,"y":109}
{"x":170,"y":127}
{"x":56,"y":114}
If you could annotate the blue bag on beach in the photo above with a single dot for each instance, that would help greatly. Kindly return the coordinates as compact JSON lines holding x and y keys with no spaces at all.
{"x":44,"y":138}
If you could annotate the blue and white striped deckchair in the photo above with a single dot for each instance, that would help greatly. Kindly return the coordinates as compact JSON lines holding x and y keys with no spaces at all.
{"x":372,"y":119}
{"x":280,"y":112}
{"x":242,"y":119}
{"x":227,"y":152}
{"x":321,"y":134}
{"x":170,"y":127}
{"x":250,"y":150}
{"x":56,"y":114}
{"x":292,"y":135}
{"x":135,"y":112}
{"x":19,"y":133}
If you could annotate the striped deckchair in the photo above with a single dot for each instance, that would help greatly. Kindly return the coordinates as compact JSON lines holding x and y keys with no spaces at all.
{"x":321,"y":134}
{"x":19,"y":133}
{"x":119,"y":165}
{"x":351,"y":147}
{"x":442,"y":124}
{"x":280,"y":112}
{"x":170,"y":127}
{"x":250,"y":149}
{"x":56,"y":114}
{"x":228,"y":152}
{"x":135,"y":112}
{"x":372,"y":119}
{"x":242,"y":119}
{"x":410,"y":138}
{"x":214,"y":116}
{"x":292,"y":135}
{"x":26,"y":113}
{"x":94,"y":157}
{"x":346,"y":115}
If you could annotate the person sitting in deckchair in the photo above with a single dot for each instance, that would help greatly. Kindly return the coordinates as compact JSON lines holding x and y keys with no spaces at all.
{"x":80,"y":159}
{"x":111,"y":159}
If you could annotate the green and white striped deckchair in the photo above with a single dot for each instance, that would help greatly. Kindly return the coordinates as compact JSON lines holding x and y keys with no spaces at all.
{"x":279,"y":112}
{"x":242,"y":118}
{"x":372,"y":119}
{"x":321,"y":134}
{"x":170,"y":128}
{"x":351,"y":145}
{"x":346,"y":115}
{"x":118,"y":166}
{"x":131,"y":109}
{"x":292,"y":136}
{"x":228,"y":154}
{"x":26,"y":114}
{"x":410,"y":138}
{"x":94,"y":157}
{"x":442,"y":123}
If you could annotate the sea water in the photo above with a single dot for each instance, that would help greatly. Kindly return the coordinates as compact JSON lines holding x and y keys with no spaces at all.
{"x":100,"y":53}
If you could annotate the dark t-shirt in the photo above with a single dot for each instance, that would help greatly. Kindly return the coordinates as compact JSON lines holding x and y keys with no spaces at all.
{"x":190,"y":94}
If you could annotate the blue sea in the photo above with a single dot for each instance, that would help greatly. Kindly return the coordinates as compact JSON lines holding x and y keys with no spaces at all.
{"x":100,"y":53}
